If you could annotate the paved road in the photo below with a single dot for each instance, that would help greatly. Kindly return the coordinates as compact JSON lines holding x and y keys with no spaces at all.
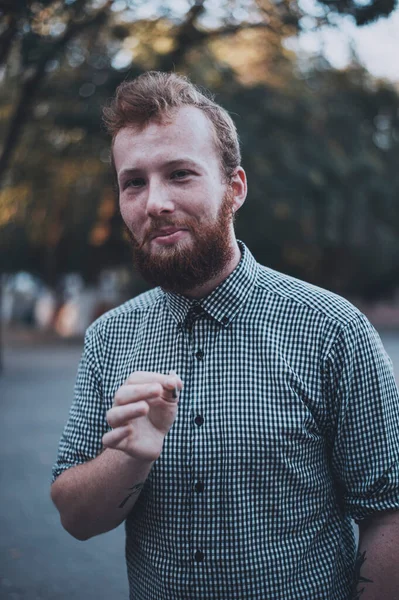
{"x":38,"y":559}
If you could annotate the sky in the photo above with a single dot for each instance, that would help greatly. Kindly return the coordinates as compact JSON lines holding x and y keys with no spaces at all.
{"x":376,"y":45}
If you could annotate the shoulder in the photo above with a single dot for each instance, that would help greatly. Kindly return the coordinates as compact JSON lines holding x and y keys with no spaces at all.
{"x":297,"y":296}
{"x":130,"y":311}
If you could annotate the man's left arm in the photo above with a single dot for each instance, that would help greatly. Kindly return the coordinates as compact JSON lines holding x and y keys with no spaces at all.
{"x":363,"y":403}
{"x":377,"y":565}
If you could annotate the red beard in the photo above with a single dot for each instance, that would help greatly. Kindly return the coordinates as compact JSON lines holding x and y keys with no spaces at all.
{"x":182,"y":268}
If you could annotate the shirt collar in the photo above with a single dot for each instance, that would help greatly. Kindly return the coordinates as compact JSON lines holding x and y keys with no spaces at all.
{"x":224,"y":302}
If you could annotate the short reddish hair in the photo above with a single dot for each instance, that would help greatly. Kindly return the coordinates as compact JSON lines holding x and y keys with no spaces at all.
{"x":154,"y":95}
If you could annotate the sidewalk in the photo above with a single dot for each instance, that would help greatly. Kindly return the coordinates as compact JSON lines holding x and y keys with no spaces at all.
{"x":38,"y":559}
{"x":19,"y":335}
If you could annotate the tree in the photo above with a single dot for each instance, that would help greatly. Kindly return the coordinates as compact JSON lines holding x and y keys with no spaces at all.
{"x":38,"y":32}
{"x":66,"y":51}
{"x":327,"y":139}
{"x":322,"y":157}
{"x":362,"y":13}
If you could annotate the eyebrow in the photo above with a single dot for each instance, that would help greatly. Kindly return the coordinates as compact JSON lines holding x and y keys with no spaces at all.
{"x":169,"y":164}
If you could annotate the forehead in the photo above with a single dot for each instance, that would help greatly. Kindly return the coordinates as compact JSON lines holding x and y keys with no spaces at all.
{"x":186,"y":133}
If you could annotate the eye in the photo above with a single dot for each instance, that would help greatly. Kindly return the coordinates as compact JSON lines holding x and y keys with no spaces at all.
{"x":134,"y":183}
{"x":180,"y":174}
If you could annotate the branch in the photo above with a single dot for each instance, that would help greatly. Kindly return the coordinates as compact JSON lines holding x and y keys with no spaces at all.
{"x":195,"y":11}
{"x":231,"y":29}
{"x":363,"y":15}
{"x":18,"y":7}
{"x":32,"y":83}
{"x":9,"y":7}
{"x":6,"y":39}
{"x":188,"y":37}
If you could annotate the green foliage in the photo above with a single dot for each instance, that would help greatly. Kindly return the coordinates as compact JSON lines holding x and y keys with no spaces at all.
{"x":321,"y":161}
{"x":321,"y":150}
{"x":363,"y":13}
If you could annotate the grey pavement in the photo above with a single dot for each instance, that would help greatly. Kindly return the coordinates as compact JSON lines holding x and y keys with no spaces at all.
{"x":38,"y":559}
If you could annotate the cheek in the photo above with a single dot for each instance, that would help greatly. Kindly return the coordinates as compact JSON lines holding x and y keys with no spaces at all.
{"x":122,"y":209}
{"x":210,"y":211}
{"x":204,"y":206}
{"x":124,"y":212}
{"x":129,"y":213}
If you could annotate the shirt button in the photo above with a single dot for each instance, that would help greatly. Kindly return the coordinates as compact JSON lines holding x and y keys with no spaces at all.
{"x":199,"y":487}
{"x":199,"y":420}
{"x":199,"y":355}
{"x":225,"y":320}
{"x":197,"y":309}
{"x":199,"y":556}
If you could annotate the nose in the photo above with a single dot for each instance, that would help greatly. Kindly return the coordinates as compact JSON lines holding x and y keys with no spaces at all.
{"x":159,"y":199}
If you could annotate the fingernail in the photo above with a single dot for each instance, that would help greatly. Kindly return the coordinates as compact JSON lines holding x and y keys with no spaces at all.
{"x":175,"y":392}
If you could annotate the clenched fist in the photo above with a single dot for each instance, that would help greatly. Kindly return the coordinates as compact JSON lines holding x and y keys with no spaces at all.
{"x":144,"y":410}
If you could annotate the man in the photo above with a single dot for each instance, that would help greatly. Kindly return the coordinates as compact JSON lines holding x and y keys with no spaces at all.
{"x":237,"y":418}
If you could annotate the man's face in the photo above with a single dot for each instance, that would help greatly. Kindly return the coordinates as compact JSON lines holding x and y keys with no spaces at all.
{"x":174,"y":201}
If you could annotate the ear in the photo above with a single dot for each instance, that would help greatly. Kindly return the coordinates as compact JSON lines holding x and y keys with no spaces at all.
{"x":238,"y":184}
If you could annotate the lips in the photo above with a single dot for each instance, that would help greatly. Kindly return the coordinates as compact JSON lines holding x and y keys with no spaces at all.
{"x":165,"y":232}
{"x":168,"y":236}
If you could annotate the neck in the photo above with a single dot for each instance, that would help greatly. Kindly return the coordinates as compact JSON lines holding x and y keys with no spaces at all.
{"x":208,"y":287}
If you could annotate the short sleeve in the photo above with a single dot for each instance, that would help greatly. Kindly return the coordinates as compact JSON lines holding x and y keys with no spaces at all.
{"x":363,"y":402}
{"x":82,"y":435}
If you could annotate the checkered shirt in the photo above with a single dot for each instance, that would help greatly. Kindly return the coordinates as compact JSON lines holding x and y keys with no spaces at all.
{"x":287,"y":428}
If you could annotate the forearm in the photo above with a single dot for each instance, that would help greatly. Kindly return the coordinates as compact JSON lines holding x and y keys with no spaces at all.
{"x":377,"y":572}
{"x":97,"y":496}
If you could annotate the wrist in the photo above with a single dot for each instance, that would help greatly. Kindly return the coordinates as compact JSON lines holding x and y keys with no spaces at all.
{"x":126,"y":460}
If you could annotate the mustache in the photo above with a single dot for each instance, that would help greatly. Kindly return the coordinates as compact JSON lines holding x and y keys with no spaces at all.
{"x":160,"y":222}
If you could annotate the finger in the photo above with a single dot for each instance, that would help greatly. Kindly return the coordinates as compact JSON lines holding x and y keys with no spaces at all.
{"x":113,"y":438}
{"x":149,"y":377}
{"x":129,"y":393}
{"x":170,"y":386}
{"x":174,"y":385}
{"x":117,"y":416}
{"x":175,"y":380}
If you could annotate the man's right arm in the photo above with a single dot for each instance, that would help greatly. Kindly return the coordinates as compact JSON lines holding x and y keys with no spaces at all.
{"x":96,"y":496}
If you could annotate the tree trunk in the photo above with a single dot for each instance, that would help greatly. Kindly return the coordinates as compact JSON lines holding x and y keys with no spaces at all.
{"x":31,"y":85}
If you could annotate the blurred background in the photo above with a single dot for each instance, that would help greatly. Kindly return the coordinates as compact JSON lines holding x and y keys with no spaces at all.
{"x":313,"y":87}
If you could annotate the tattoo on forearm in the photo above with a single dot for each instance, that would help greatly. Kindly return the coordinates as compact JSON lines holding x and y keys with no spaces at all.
{"x":134,"y":491}
{"x":358,"y":579}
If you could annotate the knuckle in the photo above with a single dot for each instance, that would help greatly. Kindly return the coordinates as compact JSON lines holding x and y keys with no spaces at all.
{"x":121,"y":394}
{"x":158,"y":389}
{"x":118,"y":397}
{"x":130,"y":431}
{"x":136,"y":376}
{"x":110,"y":418}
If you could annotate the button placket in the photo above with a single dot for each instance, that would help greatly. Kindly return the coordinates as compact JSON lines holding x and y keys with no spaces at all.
{"x":199,"y":355}
{"x":199,"y":420}
{"x":198,"y":337}
{"x":199,"y":556}
{"x":199,"y":487}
